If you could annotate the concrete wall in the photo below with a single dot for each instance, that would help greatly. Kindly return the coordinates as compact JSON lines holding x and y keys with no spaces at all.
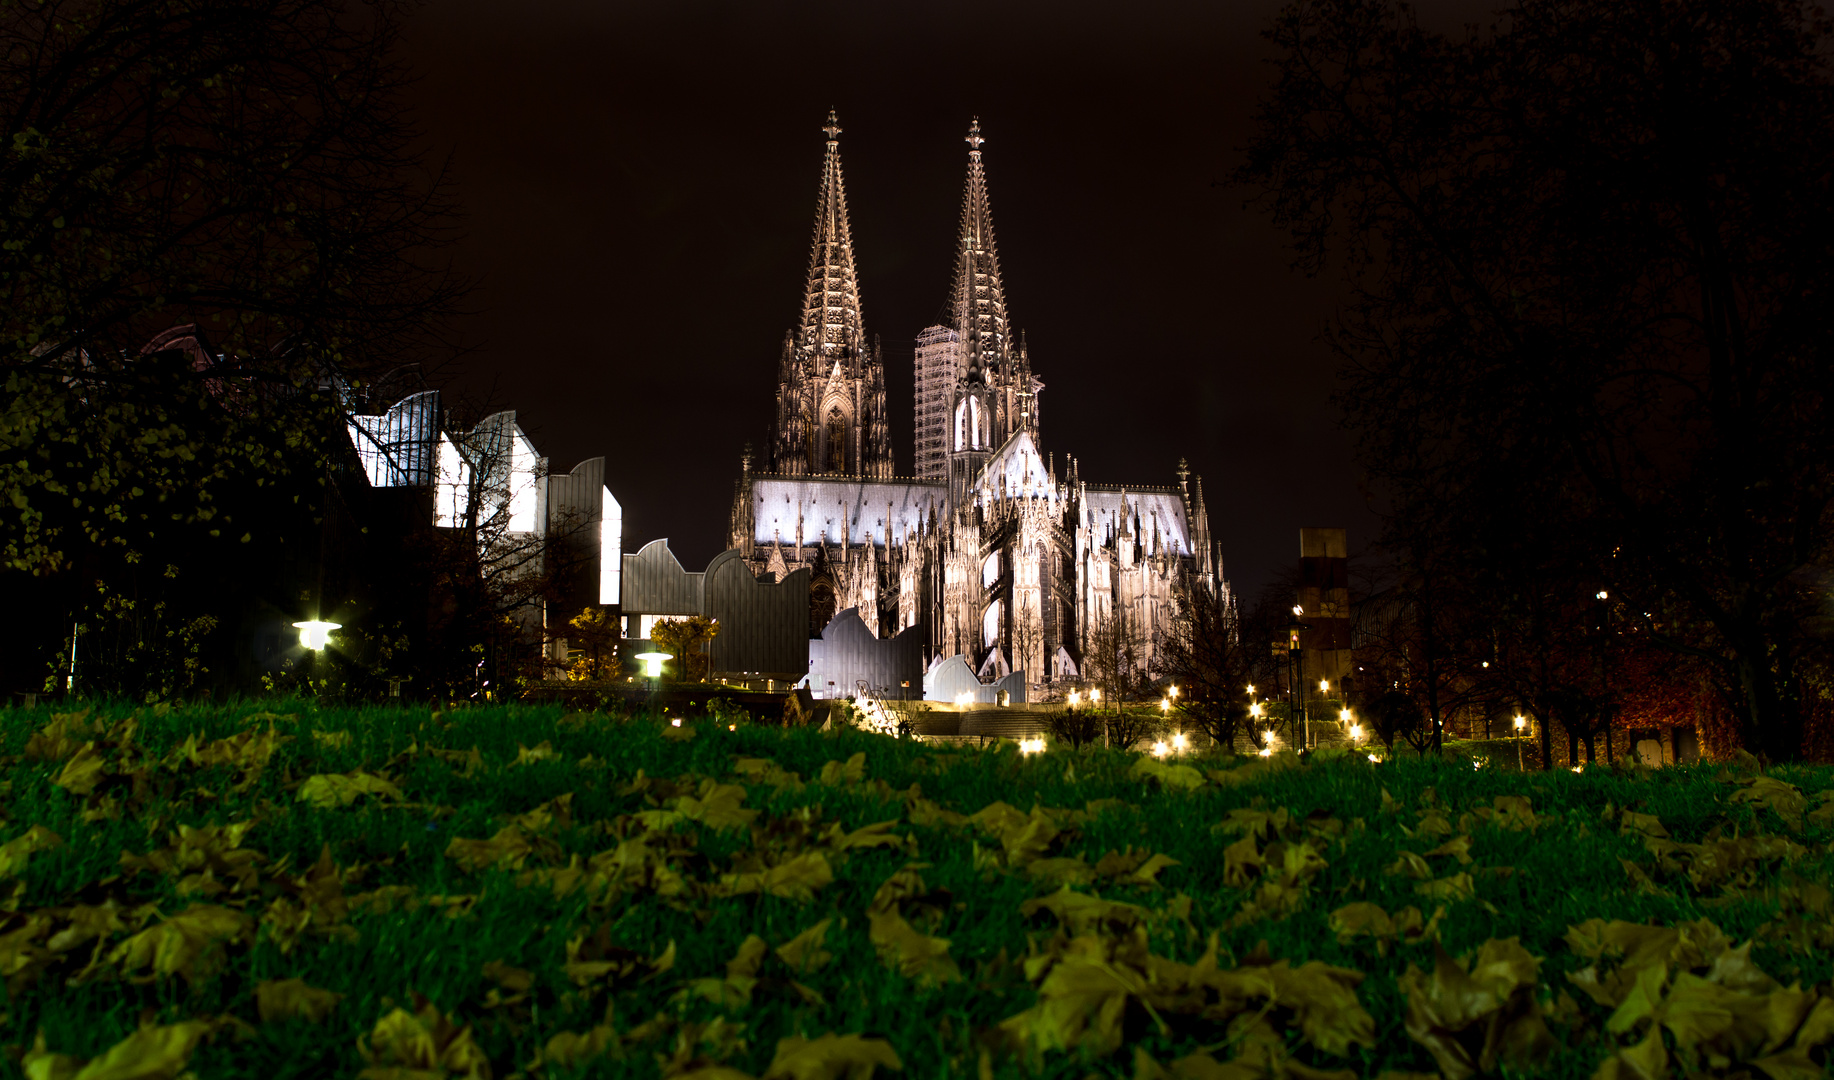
{"x":656,"y":584}
{"x":848,"y":653}
{"x":953,"y":677}
{"x":764,"y":628}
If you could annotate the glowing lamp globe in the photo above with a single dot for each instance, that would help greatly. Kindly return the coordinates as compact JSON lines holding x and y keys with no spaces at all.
{"x":652,"y":662}
{"x":315,"y":634}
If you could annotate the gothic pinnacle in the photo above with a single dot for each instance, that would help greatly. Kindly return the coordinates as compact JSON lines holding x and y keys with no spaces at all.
{"x":833,"y":128}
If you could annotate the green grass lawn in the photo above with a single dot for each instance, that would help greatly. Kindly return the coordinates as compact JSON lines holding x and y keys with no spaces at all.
{"x":282,"y":891}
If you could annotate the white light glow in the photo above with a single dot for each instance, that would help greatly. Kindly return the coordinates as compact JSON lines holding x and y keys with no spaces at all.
{"x":1521,"y":721}
{"x":611,"y":548}
{"x":1323,"y":685}
{"x":1298,"y":610}
{"x":1073,"y":698}
{"x":1032,"y":746}
{"x":966,"y":697}
{"x":1095,"y":695}
{"x":652,"y":662}
{"x":1160,"y":749}
{"x":1603,"y":595}
{"x":1356,"y":731}
{"x":1251,"y":688}
{"x":524,"y":481}
{"x":1179,"y":741}
{"x":674,"y":721}
{"x":1255,"y":710}
{"x":1372,"y":757}
{"x":315,"y":634}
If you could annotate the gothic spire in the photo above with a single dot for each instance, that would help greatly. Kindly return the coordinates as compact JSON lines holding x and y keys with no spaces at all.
{"x":979,"y":299}
{"x":831,"y":302}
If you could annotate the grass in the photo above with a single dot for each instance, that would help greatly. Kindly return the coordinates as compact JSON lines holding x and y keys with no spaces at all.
{"x":84,"y":1000}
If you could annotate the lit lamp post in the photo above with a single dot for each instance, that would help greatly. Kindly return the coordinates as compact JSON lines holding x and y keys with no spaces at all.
{"x":315,"y":634}
{"x":314,"y":637}
{"x":652,"y":666}
{"x":1295,"y":690}
{"x":1521,"y":724}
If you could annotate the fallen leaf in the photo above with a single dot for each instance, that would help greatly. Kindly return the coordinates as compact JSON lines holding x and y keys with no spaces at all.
{"x":15,"y":853}
{"x":328,"y":791}
{"x":289,"y":999}
{"x":421,"y":1045}
{"x":830,"y":1057}
{"x":911,"y":953}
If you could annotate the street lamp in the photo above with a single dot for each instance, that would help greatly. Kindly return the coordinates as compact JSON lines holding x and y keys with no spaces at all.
{"x":315,"y":634}
{"x":652,"y":663}
{"x":1521,"y":723}
{"x":1295,"y":688}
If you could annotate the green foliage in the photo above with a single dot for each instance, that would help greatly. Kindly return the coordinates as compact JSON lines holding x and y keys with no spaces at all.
{"x":329,"y":889}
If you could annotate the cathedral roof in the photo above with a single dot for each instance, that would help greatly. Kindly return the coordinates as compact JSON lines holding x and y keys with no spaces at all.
{"x":1113,"y":511}
{"x":979,"y":299}
{"x":1017,"y":463}
{"x":825,"y":506}
{"x":831,"y":321}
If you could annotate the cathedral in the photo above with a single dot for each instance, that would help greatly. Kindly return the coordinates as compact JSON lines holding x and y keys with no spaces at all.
{"x":993,"y":550}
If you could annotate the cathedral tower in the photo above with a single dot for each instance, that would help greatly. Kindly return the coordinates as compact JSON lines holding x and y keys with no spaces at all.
{"x":988,"y":392}
{"x":831,"y":382}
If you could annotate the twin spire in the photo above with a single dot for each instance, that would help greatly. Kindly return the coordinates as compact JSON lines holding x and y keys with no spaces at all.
{"x":831,"y":314}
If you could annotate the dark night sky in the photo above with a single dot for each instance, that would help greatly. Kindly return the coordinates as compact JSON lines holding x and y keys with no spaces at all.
{"x":640,"y":185}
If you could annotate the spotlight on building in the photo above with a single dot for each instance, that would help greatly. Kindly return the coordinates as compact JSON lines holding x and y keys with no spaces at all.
{"x":315,"y":634}
{"x":652,"y":663}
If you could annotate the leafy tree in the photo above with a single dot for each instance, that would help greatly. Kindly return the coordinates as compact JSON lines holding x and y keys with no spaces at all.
{"x":596,"y":633}
{"x":686,"y":638}
{"x":1588,"y":245}
{"x":243,"y":171}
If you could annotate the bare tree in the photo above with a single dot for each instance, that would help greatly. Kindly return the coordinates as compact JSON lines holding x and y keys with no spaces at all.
{"x":1205,"y":656}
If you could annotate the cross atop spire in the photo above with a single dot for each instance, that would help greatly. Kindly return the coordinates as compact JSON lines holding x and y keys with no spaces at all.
{"x":831,"y":324}
{"x":979,"y":299}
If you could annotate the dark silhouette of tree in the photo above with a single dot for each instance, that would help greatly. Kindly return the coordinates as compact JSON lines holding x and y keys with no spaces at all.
{"x":1205,"y":656}
{"x":1589,"y":244}
{"x":1078,"y":726}
{"x":244,"y":172}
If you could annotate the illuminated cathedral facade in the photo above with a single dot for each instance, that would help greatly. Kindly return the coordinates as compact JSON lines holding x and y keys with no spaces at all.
{"x":991,"y":551}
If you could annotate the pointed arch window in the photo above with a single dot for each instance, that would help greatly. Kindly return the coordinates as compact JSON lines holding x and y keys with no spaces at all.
{"x":837,"y":440}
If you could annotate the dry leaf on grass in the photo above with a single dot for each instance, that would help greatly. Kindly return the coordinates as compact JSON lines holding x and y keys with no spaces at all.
{"x":421,"y":1045}
{"x":328,"y":791}
{"x":794,"y":879}
{"x":911,"y":953}
{"x":831,"y":1057}
{"x":189,"y":943}
{"x":1472,"y":1019}
{"x":152,"y":1053}
{"x":15,"y":853}
{"x":289,"y":999}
